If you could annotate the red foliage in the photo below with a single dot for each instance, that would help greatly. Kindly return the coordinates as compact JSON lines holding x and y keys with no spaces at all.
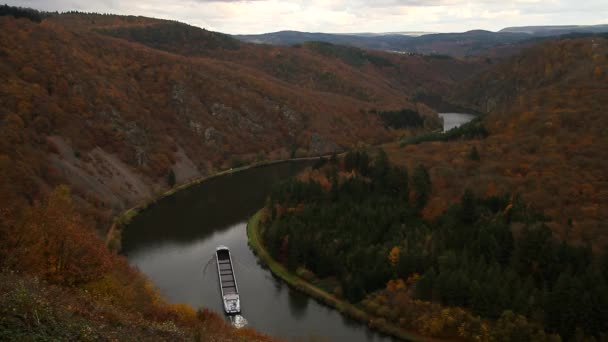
{"x":50,"y":239}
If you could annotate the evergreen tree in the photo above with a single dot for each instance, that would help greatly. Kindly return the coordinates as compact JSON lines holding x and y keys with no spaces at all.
{"x":468,"y":207}
{"x":474,"y":154}
{"x":171,"y":177}
{"x":421,"y":182}
{"x":424,"y":286}
{"x":381,"y":168}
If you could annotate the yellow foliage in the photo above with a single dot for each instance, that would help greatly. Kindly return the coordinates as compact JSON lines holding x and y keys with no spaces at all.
{"x":394,"y":285}
{"x":413,"y":278}
{"x":393,"y":256}
{"x":184,"y":312}
{"x":507,"y":209}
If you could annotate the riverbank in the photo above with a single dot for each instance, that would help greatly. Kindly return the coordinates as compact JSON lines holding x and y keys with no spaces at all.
{"x":114,"y":235}
{"x":344,"y":307}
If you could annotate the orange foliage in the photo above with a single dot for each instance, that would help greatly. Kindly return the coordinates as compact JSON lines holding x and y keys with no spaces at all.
{"x":51,"y":240}
{"x":393,"y":255}
{"x":547,"y":139}
{"x":394,"y":285}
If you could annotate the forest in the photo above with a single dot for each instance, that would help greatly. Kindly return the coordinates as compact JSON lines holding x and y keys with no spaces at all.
{"x":358,"y":221}
{"x":470,"y":130}
{"x":401,"y":119}
{"x":20,"y":12}
{"x":496,"y":230}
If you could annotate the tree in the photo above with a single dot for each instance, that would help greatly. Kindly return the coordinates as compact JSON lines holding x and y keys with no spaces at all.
{"x":58,"y":245}
{"x":562,"y":305}
{"x":398,"y":182}
{"x":381,"y":167}
{"x":512,"y":327}
{"x":474,"y":154}
{"x":468,"y":207}
{"x":421,"y":182}
{"x":424,"y":286}
{"x":171,"y":177}
{"x":393,"y":256}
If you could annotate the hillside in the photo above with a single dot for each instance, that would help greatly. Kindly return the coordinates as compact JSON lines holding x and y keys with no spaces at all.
{"x":476,"y":43}
{"x":114,"y":118}
{"x":495,"y":231}
{"x":557,"y":30}
{"x":547,"y":139}
{"x":102,"y":112}
{"x":389,"y":42}
{"x":370,"y":76}
{"x":466,"y":44}
{"x":120,"y":109}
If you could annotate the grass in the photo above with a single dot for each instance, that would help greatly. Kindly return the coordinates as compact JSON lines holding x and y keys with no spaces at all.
{"x":344,"y":307}
{"x":33,"y":310}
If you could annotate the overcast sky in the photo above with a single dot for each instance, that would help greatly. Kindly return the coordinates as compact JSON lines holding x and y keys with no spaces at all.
{"x":260,"y":16}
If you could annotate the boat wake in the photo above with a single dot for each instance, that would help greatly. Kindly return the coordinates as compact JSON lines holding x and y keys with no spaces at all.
{"x":238,"y":321}
{"x":210,"y":262}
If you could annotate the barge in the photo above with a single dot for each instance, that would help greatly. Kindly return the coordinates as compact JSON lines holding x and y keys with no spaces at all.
{"x":228,"y":287}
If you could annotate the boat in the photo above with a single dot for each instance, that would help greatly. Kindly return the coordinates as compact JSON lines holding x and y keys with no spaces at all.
{"x":228,"y":287}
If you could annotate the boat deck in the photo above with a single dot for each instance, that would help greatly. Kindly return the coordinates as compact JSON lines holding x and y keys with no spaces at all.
{"x":227,"y":280}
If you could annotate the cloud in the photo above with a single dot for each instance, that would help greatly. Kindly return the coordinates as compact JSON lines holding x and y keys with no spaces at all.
{"x":257,"y":16}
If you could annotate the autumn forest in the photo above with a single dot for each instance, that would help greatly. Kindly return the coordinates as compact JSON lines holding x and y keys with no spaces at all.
{"x":494,"y":231}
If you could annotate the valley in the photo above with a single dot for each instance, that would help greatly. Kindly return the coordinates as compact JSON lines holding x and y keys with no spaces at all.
{"x":130,"y":147}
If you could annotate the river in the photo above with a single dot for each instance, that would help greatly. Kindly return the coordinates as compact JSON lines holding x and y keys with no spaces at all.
{"x":453,"y":120}
{"x":174,"y":241}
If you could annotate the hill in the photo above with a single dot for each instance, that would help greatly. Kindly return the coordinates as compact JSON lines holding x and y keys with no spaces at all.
{"x":546,"y":138}
{"x":122,"y":108}
{"x":380,"y":41}
{"x":476,"y":43}
{"x":557,"y":30}
{"x":113,"y":105}
{"x":492,"y":231}
{"x":465,"y":44}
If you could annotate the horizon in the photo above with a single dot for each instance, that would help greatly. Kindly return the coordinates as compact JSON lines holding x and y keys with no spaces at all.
{"x":244,"y":17}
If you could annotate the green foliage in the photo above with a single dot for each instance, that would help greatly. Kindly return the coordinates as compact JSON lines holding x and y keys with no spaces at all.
{"x":350,"y":207}
{"x":470,"y":130}
{"x":20,"y":12}
{"x":171,"y":177}
{"x":176,"y":37}
{"x":27,"y":314}
{"x":468,"y":257}
{"x":421,"y":183}
{"x":402,"y":119}
{"x":513,"y":327}
{"x":357,"y":161}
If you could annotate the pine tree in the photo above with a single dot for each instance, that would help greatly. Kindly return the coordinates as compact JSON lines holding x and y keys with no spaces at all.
{"x":171,"y":177}
{"x":421,"y":181}
{"x":474,"y":154}
{"x":468,"y":207}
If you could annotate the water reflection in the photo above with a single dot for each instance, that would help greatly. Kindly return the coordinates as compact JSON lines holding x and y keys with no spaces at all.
{"x":298,"y":303}
{"x":453,"y":120}
{"x":174,"y":241}
{"x":199,"y":211}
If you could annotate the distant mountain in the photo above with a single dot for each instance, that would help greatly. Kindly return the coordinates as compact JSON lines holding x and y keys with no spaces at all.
{"x":361,"y":40}
{"x":376,"y":34}
{"x":466,"y":44}
{"x":469,"y":43}
{"x":120,"y":108}
{"x":557,"y":30}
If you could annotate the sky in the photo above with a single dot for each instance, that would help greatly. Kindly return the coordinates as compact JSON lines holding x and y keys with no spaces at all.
{"x":346,"y":16}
